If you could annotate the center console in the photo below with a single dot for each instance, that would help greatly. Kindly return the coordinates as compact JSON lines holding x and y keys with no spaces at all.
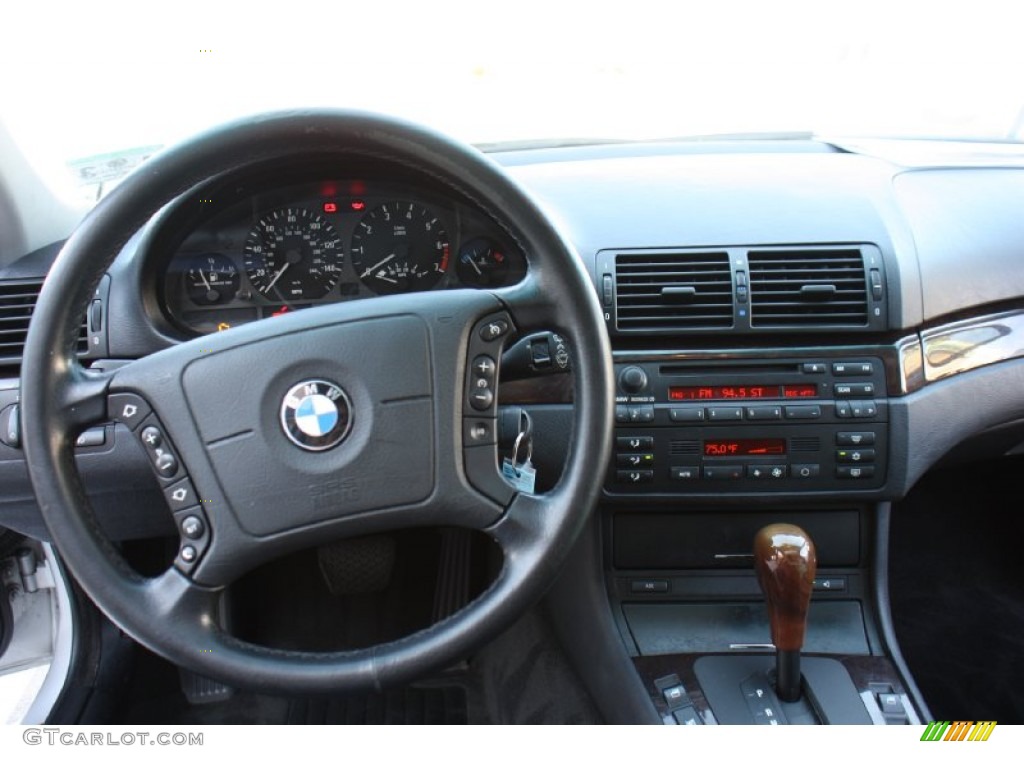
{"x":749,"y":426}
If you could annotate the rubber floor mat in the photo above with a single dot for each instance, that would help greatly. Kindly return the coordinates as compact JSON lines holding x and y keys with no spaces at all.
{"x":408,"y":706}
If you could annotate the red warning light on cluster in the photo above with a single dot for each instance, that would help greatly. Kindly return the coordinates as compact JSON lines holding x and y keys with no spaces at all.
{"x":358,"y":205}
{"x":330,"y":207}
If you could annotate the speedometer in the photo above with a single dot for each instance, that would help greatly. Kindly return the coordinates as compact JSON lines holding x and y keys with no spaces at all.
{"x":291,"y":254}
{"x":400,"y":246}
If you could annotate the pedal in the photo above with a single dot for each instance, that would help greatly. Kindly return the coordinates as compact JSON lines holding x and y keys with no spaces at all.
{"x":203,"y":690}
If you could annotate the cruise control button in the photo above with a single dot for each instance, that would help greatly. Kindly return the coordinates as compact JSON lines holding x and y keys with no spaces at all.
{"x":855,"y":455}
{"x":128,"y":409}
{"x":180,"y":495}
{"x":855,"y":438}
{"x":855,"y":472}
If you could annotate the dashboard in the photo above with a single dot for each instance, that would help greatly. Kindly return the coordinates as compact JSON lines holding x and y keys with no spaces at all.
{"x":251,"y":252}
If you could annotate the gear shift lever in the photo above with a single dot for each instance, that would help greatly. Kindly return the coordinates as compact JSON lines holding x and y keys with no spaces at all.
{"x":785,"y":562}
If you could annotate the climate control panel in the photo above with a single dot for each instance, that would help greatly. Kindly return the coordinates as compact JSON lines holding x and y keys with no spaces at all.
{"x":749,"y":426}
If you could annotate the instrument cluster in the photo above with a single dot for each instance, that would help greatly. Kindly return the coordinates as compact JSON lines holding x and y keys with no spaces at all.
{"x":287,"y":248}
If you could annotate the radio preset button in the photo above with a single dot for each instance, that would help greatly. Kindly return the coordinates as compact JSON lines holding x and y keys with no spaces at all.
{"x":855,"y":473}
{"x":723,"y":472}
{"x":855,"y":438}
{"x":804,"y":471}
{"x":803,"y":412}
{"x":843,"y":410}
{"x":764,"y":413}
{"x":634,"y":459}
{"x":686,"y":414}
{"x":634,"y":443}
{"x":766,"y":471}
{"x":634,"y":476}
{"x":855,"y":455}
{"x":684,"y":473}
{"x":725,"y":414}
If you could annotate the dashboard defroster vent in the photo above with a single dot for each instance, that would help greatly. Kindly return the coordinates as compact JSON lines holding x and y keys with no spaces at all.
{"x":17,"y":301}
{"x":797,"y":288}
{"x":673,"y":291}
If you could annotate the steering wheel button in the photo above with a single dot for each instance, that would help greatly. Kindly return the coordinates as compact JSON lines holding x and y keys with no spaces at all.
{"x":166,"y":463}
{"x":493,"y":330}
{"x":483,"y":368}
{"x":481,"y":399}
{"x":152,"y":437}
{"x":180,"y":495}
{"x":193,"y":528}
{"x":188,"y":554}
{"x":128,"y":409}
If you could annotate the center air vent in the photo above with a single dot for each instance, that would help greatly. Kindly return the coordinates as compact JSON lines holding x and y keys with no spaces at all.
{"x":807,"y":288}
{"x":673,"y":291}
{"x":17,"y":301}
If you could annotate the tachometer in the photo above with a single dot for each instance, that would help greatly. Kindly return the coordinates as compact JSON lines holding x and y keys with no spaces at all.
{"x":212,"y":279}
{"x":291,"y":254}
{"x":398,"y":247}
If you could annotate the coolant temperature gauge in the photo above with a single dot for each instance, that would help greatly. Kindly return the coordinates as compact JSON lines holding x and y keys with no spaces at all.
{"x":212,"y":279}
{"x":482,"y":264}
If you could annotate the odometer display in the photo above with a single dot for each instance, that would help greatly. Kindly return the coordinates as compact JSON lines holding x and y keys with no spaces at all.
{"x":764,"y":446}
{"x":743,"y":392}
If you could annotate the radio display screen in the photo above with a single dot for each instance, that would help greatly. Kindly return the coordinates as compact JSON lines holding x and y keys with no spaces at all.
{"x":764,"y":446}
{"x":743,"y":392}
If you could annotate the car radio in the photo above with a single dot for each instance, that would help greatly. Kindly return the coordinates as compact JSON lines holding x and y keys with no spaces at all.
{"x":749,"y":426}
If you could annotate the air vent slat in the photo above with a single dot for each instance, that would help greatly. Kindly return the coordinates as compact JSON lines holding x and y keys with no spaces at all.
{"x":807,"y":288}
{"x":17,"y":302}
{"x":699,"y":291}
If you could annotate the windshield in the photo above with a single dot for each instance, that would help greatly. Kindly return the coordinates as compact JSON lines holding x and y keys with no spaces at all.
{"x":89,"y":83}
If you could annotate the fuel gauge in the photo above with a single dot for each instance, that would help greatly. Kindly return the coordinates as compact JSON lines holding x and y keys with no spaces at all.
{"x":212,"y":279}
{"x":482,"y":263}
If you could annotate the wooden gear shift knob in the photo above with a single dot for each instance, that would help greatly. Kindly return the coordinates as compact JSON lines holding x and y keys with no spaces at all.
{"x":785,"y":562}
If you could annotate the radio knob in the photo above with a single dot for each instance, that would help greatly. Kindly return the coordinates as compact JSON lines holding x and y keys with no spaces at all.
{"x":633,"y":379}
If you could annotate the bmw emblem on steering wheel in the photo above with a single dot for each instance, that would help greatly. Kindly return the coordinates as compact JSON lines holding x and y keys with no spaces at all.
{"x":316,"y":415}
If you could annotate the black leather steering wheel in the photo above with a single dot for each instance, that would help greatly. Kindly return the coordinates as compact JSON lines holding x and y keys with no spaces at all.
{"x":418,"y":447}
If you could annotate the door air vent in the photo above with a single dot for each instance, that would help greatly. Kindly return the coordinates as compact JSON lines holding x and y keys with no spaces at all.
{"x":17,"y":301}
{"x":673,"y":291}
{"x":796,"y":288}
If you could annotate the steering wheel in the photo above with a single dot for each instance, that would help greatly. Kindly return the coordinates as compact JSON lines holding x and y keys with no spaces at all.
{"x":337,"y":421}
